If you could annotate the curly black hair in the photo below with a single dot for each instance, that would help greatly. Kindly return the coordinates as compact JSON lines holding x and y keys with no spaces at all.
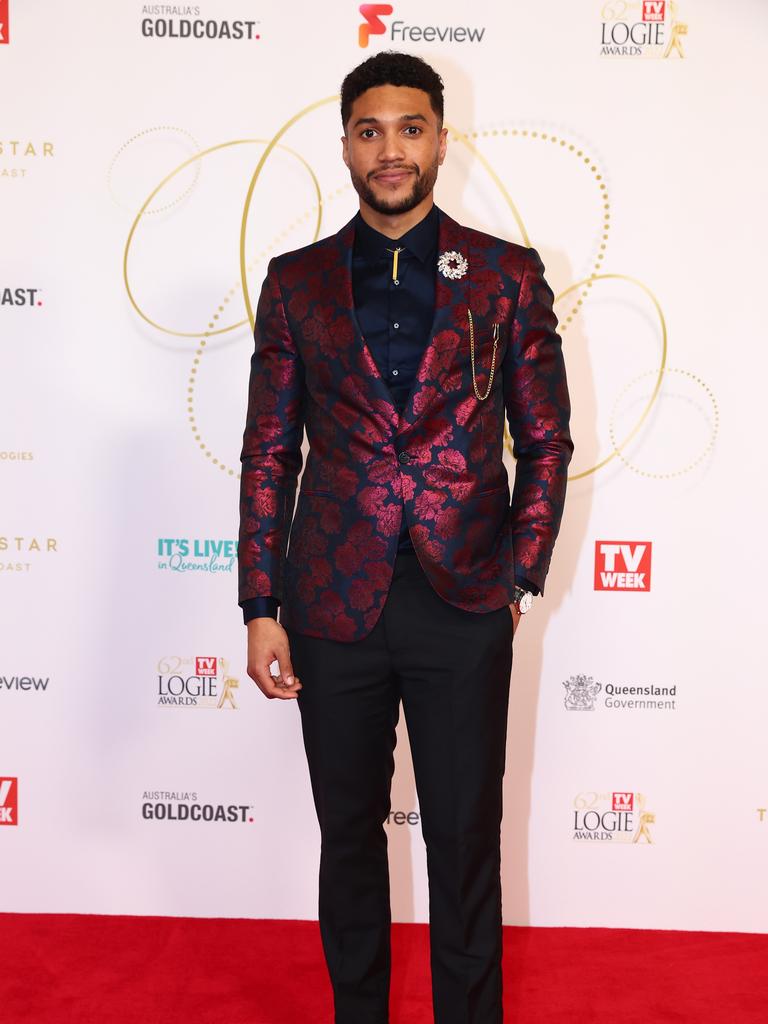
{"x":392,"y":68}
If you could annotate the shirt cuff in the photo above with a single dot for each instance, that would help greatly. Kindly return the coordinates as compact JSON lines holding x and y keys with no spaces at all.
{"x":260,"y":607}
{"x":527,"y":585}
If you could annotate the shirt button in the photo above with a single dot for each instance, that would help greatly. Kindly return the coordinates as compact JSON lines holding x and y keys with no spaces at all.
{"x":395,"y":281}
{"x":404,"y":457}
{"x":395,"y":325}
{"x":395,"y":373}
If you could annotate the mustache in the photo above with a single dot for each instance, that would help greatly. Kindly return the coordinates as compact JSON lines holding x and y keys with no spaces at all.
{"x":394,"y":167}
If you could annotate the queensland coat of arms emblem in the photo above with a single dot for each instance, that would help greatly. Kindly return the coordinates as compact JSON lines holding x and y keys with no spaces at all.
{"x":581,"y":692}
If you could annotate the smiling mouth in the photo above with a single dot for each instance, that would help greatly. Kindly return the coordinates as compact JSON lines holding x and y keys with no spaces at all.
{"x":393,"y":177}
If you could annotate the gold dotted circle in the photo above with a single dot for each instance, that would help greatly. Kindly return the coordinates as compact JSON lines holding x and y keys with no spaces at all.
{"x":202,"y":342}
{"x":135,"y":138}
{"x":582,"y":157}
{"x":702,"y":455}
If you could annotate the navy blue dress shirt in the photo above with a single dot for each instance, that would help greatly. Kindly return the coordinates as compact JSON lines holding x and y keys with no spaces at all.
{"x":395,"y":313}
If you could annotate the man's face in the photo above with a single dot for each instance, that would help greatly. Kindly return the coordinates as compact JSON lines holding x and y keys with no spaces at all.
{"x":393,"y":147}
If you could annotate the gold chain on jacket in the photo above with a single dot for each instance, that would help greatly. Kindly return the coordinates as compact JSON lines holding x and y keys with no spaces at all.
{"x":472,"y":354}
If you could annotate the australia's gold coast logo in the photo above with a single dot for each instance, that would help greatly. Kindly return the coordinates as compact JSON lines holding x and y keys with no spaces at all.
{"x":648,"y":28}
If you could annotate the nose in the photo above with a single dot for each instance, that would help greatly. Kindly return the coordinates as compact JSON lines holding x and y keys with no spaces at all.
{"x":392,"y":150}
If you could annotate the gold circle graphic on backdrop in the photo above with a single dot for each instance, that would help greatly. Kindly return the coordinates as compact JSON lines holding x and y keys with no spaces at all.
{"x":464,"y":138}
{"x":135,"y":138}
{"x":702,"y":454}
{"x":169,"y":177}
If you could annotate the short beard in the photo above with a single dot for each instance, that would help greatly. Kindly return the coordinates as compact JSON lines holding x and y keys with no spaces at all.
{"x":422,"y":186}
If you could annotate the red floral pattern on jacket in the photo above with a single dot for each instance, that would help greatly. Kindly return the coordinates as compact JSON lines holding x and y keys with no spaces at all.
{"x":440,"y":464}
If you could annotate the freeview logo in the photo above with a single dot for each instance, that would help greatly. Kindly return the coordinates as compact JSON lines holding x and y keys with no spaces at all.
{"x":372,"y":23}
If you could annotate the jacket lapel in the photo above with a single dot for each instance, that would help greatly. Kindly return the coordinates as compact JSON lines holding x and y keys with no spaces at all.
{"x":382,"y":402}
{"x":448,"y":326}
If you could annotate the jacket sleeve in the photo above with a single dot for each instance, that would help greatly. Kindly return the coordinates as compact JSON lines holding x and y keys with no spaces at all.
{"x":538,"y":410}
{"x":271,"y":455}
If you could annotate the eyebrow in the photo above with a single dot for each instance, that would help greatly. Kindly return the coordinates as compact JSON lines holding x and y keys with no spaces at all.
{"x":375,"y":120}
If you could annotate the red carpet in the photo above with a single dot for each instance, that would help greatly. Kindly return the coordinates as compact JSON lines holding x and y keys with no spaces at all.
{"x":85,"y":969}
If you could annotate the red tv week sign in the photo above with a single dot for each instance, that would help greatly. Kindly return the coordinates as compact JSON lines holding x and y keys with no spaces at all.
{"x":9,"y":801}
{"x":623,"y":801}
{"x":653,"y":10}
{"x":5,"y":35}
{"x":623,"y":565}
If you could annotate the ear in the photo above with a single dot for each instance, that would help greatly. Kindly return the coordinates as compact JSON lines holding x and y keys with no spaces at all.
{"x":442,"y":144}
{"x":345,"y":149}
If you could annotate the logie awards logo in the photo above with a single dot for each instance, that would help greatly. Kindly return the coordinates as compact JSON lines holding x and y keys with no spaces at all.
{"x":199,"y":682}
{"x":615,"y":817}
{"x":656,"y":33}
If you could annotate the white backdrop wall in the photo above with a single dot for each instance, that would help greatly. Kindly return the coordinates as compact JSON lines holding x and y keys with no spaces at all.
{"x":637,"y":170}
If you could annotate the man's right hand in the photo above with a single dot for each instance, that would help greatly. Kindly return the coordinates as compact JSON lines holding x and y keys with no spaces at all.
{"x":267,"y":642}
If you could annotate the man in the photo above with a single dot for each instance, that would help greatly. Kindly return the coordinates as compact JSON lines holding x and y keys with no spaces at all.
{"x":399,"y":344}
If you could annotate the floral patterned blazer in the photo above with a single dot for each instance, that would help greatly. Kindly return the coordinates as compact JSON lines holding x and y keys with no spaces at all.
{"x":439,"y":464}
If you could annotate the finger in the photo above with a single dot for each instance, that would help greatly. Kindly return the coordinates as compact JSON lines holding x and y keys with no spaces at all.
{"x":284,"y":666}
{"x":272,"y":687}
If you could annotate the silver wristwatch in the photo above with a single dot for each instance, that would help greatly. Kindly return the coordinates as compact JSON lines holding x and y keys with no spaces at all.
{"x":522,"y":600}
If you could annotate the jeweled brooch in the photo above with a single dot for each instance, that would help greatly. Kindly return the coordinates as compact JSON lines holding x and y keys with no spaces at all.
{"x":452,"y":264}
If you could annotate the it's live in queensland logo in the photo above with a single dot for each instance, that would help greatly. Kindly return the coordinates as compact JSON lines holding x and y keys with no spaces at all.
{"x":399,"y":31}
{"x":199,"y":682}
{"x":615,"y":817}
{"x":650,"y":28}
{"x":196,"y":554}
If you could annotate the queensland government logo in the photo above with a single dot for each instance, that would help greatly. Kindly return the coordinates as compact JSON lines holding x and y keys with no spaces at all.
{"x":9,"y":801}
{"x":582,"y":693}
{"x":650,"y":28}
{"x":196,"y":554}
{"x":199,"y":682}
{"x":189,"y":21}
{"x":165,"y":805}
{"x":373,"y":24}
{"x":616,"y":817}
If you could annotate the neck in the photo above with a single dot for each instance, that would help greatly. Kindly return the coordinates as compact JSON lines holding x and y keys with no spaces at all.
{"x":394,"y":225}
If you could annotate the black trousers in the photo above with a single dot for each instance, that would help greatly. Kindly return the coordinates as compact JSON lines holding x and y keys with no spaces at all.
{"x":451,"y":669}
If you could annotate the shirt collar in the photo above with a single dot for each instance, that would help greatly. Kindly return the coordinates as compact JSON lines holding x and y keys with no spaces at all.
{"x":421,"y":239}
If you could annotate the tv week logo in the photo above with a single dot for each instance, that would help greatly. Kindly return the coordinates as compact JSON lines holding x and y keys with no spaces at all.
{"x":206,"y":666}
{"x":623,"y":802}
{"x":623,"y":565}
{"x":372,"y":24}
{"x":653,"y":10}
{"x":9,"y":801}
{"x":5,"y":36}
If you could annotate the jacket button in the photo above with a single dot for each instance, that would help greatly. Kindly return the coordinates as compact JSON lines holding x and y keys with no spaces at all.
{"x":404,"y":457}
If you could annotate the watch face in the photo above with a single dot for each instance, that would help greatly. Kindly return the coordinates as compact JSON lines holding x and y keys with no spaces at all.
{"x":525,"y":603}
